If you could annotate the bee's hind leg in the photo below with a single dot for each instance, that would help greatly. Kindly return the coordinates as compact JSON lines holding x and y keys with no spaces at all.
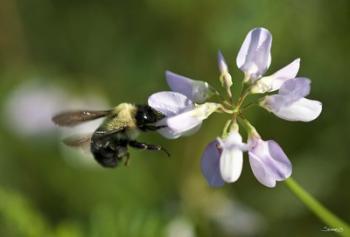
{"x":127,"y":158}
{"x":151,"y":147}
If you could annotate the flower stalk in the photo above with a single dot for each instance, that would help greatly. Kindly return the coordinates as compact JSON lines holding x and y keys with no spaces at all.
{"x":318,"y":209}
{"x":226,"y":129}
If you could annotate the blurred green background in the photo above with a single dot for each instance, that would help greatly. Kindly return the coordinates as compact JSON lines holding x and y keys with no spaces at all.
{"x":56,"y":54}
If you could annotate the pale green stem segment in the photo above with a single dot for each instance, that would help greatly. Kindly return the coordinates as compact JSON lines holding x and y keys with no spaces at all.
{"x":225,"y":131}
{"x":333,"y":222}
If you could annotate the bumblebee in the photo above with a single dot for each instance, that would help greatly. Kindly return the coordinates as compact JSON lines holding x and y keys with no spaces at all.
{"x":119,"y":130}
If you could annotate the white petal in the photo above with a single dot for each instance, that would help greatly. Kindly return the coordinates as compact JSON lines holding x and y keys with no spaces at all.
{"x":197,"y":91}
{"x":183,"y":122}
{"x":290,"y":92}
{"x":168,"y":133}
{"x":275,"y":81}
{"x":170,"y":103}
{"x":186,"y":121}
{"x":254,"y":57}
{"x":231,"y":163}
{"x":192,"y":130}
{"x":304,"y":110}
{"x":233,"y":139}
{"x":289,"y":71}
{"x":173,"y":134}
{"x":231,"y":160}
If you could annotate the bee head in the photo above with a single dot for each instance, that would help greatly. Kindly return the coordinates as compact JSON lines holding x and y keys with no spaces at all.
{"x":146,"y":115}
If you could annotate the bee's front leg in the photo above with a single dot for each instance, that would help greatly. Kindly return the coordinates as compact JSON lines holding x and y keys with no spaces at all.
{"x":151,"y":147}
{"x":151,"y":127}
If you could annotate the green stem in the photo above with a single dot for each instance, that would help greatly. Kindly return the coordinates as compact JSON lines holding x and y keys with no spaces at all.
{"x":248,"y":106}
{"x":334,"y":223}
{"x":226,"y":128}
{"x":226,"y":102}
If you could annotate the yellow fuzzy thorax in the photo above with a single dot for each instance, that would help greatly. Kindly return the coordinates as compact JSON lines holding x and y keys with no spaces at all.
{"x":122,"y":115}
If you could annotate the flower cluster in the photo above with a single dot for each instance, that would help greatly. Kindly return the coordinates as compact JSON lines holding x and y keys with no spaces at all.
{"x":186,"y":106}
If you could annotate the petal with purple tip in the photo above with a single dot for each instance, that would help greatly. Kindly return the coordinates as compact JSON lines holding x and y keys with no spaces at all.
{"x":169,"y":103}
{"x":303,"y":110}
{"x":295,"y":88}
{"x":275,"y":81}
{"x":290,"y":92}
{"x":273,"y":102}
{"x":268,"y":162}
{"x":283,"y":168}
{"x":260,"y":172}
{"x":254,"y":57}
{"x":225,"y":76}
{"x":197,"y":91}
{"x":222,"y":63}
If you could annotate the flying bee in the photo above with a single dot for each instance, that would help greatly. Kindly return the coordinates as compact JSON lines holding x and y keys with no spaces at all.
{"x":120,"y":128}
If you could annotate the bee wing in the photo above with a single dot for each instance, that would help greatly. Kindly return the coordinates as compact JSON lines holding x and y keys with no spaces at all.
{"x":79,"y":141}
{"x":72,"y":118}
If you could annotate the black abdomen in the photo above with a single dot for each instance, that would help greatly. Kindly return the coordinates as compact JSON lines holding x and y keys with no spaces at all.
{"x":108,"y":151}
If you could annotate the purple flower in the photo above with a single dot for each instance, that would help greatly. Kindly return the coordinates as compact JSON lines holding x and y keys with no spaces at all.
{"x":254,"y":57}
{"x":211,"y":164}
{"x":182,"y":116}
{"x":222,"y":160}
{"x":196,"y":91}
{"x":222,"y":63}
{"x":290,"y":104}
{"x":275,"y":81}
{"x":268,"y":161}
{"x":225,"y":76}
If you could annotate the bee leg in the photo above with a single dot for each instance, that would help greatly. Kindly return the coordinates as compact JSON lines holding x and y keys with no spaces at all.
{"x":151,"y":127}
{"x":151,"y":147}
{"x":127,"y":158}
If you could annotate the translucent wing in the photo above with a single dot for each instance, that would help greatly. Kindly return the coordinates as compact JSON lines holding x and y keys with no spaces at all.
{"x":79,"y":141}
{"x":84,"y":140}
{"x":72,"y":118}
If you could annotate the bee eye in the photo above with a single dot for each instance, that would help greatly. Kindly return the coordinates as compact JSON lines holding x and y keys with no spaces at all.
{"x":146,"y":114}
